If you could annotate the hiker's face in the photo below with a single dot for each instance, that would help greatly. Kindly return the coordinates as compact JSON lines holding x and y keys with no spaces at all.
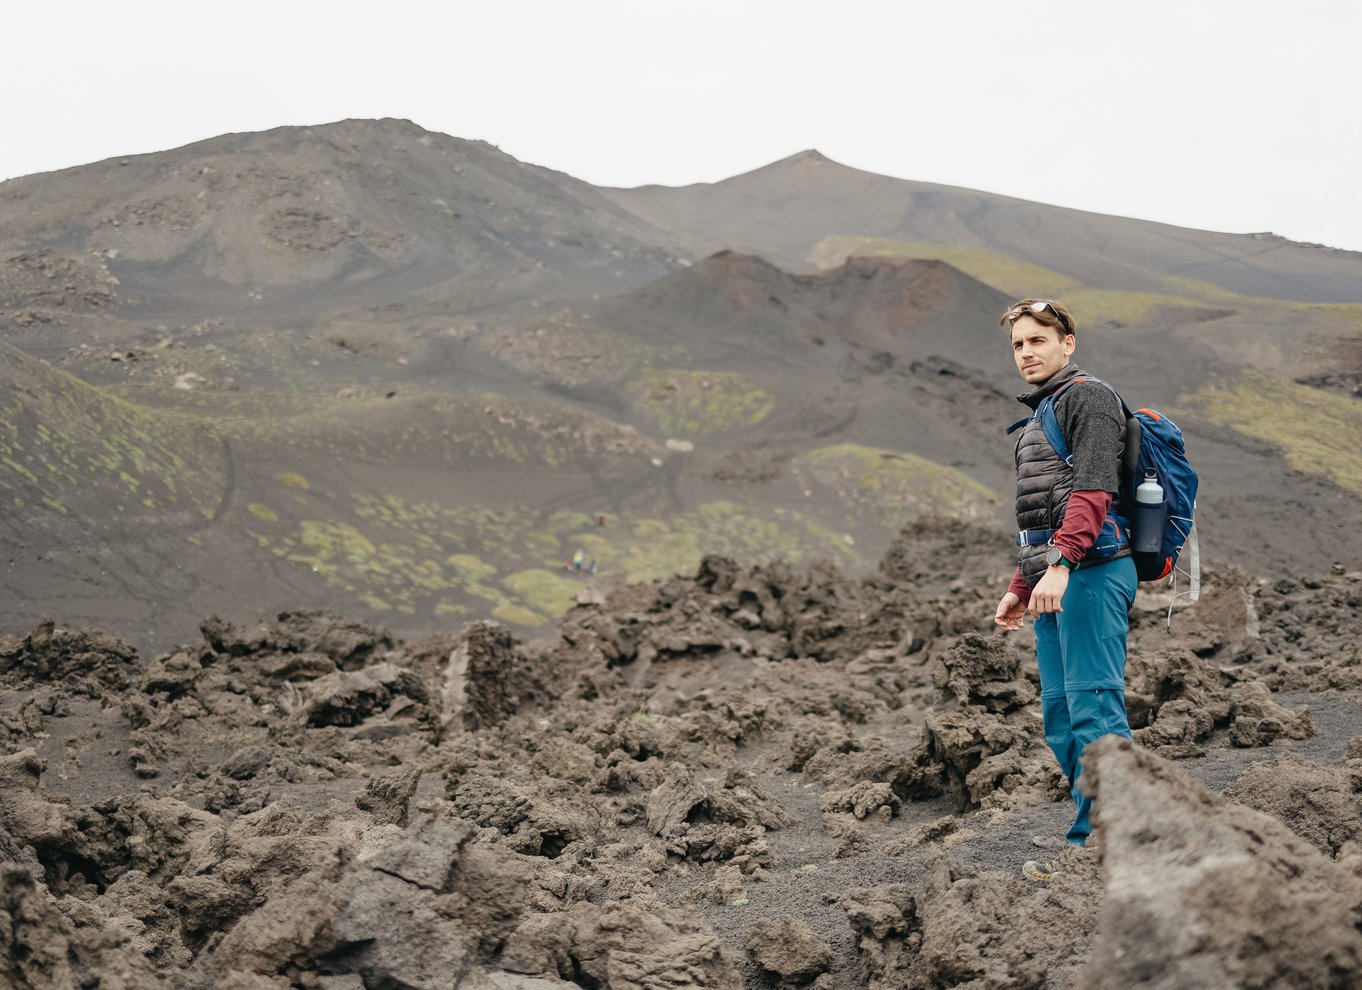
{"x":1039,"y":350}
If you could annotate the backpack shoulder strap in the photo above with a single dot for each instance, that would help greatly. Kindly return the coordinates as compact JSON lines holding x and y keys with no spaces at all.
{"x":1049,"y":425}
{"x":1049,"y":422}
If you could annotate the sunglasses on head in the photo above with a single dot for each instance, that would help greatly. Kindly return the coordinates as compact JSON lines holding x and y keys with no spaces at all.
{"x":1040,"y":306}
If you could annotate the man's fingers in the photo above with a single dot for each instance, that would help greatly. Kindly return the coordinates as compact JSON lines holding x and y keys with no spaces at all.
{"x":1041,"y":604}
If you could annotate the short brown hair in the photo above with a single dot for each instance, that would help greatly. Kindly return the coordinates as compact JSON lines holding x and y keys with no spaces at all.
{"x":1046,"y":312}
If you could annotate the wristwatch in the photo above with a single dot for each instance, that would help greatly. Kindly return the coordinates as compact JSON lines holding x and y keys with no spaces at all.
{"x":1054,"y":557}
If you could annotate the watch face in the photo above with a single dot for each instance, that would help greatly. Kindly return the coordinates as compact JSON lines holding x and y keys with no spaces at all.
{"x":1054,"y":557}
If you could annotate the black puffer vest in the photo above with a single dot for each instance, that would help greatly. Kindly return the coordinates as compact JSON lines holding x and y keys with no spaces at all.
{"x":1044,"y":483}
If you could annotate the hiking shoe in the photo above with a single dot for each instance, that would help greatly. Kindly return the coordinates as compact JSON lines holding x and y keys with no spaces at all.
{"x":1041,"y":869}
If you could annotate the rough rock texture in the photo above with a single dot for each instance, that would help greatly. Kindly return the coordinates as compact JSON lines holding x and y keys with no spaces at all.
{"x":1176,"y":702}
{"x":1204,"y":893}
{"x":789,"y":950}
{"x":41,"y":947}
{"x":749,"y":777}
{"x":1322,"y":805}
{"x":84,"y":661}
{"x":970,"y":926}
{"x":486,"y":679}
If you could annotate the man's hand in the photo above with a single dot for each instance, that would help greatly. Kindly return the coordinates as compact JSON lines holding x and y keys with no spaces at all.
{"x":1010,"y":612}
{"x":1049,"y":592}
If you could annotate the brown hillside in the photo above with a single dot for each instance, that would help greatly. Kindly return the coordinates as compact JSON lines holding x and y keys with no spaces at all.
{"x":423,"y":428}
{"x":785,"y":209}
{"x":248,"y":220}
{"x":893,"y":307}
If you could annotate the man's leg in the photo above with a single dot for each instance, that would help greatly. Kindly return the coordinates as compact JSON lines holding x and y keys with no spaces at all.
{"x":1054,"y":702}
{"x":1092,"y":633}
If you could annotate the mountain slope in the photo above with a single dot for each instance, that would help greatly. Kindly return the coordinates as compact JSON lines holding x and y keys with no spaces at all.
{"x":245,"y":220}
{"x":405,"y":376}
{"x":785,"y":209}
{"x":80,"y":458}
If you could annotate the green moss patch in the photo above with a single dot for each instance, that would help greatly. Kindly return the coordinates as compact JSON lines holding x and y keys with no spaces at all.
{"x":517,"y":615}
{"x":1316,"y":431}
{"x":71,"y":447}
{"x":892,"y":485}
{"x":694,"y":403}
{"x":438,"y":559}
{"x":548,"y":592}
{"x":470,"y":568}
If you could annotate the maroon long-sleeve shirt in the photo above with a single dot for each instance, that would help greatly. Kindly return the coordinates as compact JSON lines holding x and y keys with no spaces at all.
{"x":1083,"y":516}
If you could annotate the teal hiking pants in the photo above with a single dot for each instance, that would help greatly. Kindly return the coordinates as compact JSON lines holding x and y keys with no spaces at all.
{"x":1081,"y":653}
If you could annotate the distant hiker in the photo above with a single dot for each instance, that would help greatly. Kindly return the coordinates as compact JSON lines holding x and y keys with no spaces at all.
{"x":577,"y":559}
{"x":1075,"y":574}
{"x":600,"y":520}
{"x":591,"y":568}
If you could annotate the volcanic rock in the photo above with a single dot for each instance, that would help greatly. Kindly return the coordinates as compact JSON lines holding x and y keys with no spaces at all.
{"x":1204,"y":893}
{"x":789,"y":950}
{"x":1323,"y":805}
{"x":655,"y":795}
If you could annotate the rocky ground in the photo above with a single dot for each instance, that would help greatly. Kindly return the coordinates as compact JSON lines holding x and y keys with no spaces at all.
{"x":748,"y":777}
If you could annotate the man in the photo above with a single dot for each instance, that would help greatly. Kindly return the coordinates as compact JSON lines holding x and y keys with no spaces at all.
{"x":1075,"y":574}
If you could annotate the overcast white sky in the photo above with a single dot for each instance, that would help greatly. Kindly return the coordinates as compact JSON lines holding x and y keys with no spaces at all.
{"x":1235,"y":115}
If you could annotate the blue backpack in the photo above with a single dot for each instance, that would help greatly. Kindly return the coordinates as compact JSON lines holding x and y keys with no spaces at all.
{"x":1154,"y":448}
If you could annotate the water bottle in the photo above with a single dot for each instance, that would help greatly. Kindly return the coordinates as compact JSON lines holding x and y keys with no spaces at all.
{"x":1150,"y":512}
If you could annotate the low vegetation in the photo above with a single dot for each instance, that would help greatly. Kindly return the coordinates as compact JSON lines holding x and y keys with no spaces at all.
{"x":69,"y":447}
{"x":522,"y":564}
{"x":1315,"y":431}
{"x":892,"y":485}
{"x":695,"y":403}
